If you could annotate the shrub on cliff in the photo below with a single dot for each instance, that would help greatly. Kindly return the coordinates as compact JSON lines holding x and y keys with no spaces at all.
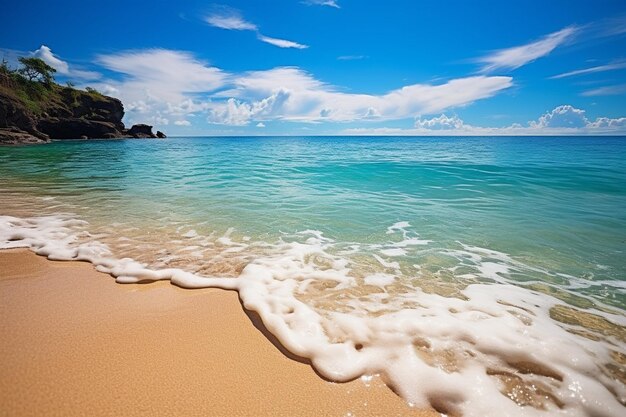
{"x":35,"y":69}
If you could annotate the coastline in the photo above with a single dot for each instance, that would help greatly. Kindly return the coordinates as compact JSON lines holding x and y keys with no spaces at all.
{"x":76,"y":343}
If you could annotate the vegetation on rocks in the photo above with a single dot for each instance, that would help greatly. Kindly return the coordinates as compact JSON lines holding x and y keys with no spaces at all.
{"x":35,"y":109}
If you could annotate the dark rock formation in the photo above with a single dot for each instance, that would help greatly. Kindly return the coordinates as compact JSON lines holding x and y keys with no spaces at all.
{"x":75,"y":128}
{"x":141,"y":131}
{"x":160,"y":135}
{"x":58,"y":112}
{"x":14,"y":136}
{"x":17,"y":118}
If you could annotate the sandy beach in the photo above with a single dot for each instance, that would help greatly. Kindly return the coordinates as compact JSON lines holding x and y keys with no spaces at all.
{"x":76,"y":343}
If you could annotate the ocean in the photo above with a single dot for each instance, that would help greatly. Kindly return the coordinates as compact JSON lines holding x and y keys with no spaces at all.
{"x":478,"y":275}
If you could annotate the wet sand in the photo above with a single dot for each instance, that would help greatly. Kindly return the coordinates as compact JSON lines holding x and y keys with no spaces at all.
{"x":73,"y":342}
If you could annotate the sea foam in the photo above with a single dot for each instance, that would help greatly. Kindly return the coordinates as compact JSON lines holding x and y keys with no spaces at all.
{"x":492,"y":349}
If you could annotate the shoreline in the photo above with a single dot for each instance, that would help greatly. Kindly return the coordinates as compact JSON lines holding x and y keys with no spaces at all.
{"x":75,"y":342}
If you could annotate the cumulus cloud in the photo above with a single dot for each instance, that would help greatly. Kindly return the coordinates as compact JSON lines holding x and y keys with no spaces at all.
{"x":182,"y":123}
{"x":63,"y":68}
{"x":605,"y":122}
{"x":233,"y":112}
{"x":562,"y":120}
{"x":442,"y":122}
{"x":260,"y":124}
{"x":239,"y":113}
{"x":515,"y":57}
{"x":160,"y":120}
{"x":562,"y":116}
{"x":175,"y":84}
{"x":308,"y":99}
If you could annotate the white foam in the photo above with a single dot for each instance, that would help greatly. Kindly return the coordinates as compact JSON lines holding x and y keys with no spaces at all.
{"x":438,"y":351}
{"x":190,"y":234}
{"x":393,"y":252}
{"x":399,"y":226}
{"x":379,"y":279}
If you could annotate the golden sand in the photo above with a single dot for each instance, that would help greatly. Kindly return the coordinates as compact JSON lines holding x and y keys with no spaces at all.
{"x":73,"y":342}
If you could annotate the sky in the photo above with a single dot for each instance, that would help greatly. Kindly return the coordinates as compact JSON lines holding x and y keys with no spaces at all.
{"x":339,"y":67}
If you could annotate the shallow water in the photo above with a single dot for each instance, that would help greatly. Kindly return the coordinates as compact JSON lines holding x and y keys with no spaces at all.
{"x":493,"y":268}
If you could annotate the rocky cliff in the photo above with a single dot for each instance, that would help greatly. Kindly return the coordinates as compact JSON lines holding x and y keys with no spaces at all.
{"x":31,"y":112}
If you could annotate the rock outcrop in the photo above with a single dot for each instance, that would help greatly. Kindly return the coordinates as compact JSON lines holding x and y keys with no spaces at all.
{"x":37,"y":115}
{"x":141,"y":131}
{"x":14,"y":136}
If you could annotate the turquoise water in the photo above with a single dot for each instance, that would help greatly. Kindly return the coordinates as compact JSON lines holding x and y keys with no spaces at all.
{"x":430,"y":214}
{"x":557,"y":203}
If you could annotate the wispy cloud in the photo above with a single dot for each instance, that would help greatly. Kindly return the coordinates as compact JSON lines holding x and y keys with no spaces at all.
{"x":63,"y":68}
{"x":562,"y":120}
{"x":611,"y":90}
{"x":231,"y":19}
{"x":351,"y":57}
{"x":599,"y":68}
{"x":612,"y":26}
{"x":156,"y":83}
{"x":329,"y":3}
{"x":515,"y":57}
{"x":281,"y":43}
{"x":293,"y":94}
{"x":169,"y":84}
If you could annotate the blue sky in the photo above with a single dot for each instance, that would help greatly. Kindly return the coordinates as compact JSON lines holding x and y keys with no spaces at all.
{"x":305,"y":67}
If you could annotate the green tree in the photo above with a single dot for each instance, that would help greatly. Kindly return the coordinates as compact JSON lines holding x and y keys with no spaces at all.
{"x":36,"y":69}
{"x":4,"y":67}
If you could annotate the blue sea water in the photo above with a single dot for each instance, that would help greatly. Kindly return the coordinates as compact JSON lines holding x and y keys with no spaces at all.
{"x":555,"y":202}
{"x":547,"y":214}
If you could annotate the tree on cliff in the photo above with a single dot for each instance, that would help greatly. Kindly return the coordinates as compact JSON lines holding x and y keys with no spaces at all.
{"x":36,"y":69}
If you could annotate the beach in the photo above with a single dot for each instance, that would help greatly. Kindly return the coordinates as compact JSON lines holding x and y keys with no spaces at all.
{"x":74,"y":342}
{"x":484,"y":288}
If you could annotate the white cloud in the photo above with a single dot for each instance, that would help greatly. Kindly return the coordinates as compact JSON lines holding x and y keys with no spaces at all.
{"x":176,"y":84}
{"x":239,"y":113}
{"x":442,"y":122}
{"x":63,"y":68}
{"x":160,"y":82}
{"x":281,"y":43}
{"x":562,"y":120}
{"x":308,"y":99}
{"x":600,"y":68}
{"x":161,"y":75}
{"x":611,"y":90}
{"x":229,"y":19}
{"x":515,"y":57}
{"x":44,"y":53}
{"x":160,"y":120}
{"x":351,"y":57}
{"x":182,"y":123}
{"x":330,"y":3}
{"x":233,"y":112}
{"x":605,"y":122}
{"x":564,"y":116}
{"x":260,"y":124}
